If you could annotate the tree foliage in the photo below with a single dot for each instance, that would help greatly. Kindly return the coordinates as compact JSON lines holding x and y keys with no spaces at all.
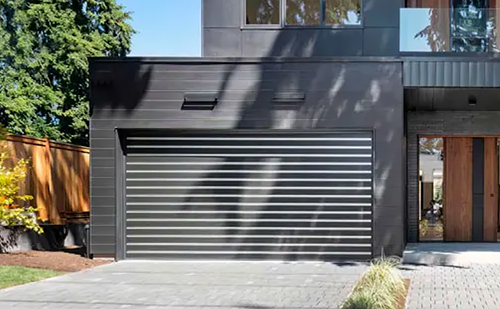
{"x":13,"y":208}
{"x":44,"y":78}
{"x":431,"y":145}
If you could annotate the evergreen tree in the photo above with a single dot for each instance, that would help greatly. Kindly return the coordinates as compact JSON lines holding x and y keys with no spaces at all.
{"x":44,"y":78}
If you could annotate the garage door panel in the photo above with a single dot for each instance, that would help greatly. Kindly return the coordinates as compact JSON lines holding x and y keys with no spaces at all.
{"x":228,"y":233}
{"x":193,"y":208}
{"x":263,"y":190}
{"x":269,"y":142}
{"x":235,"y":182}
{"x":255,"y":151}
{"x":237,"y":223}
{"x":172,"y":164}
{"x":237,"y":199}
{"x":245,"y":239}
{"x":249,"y":247}
{"x":285,"y":255}
{"x":250,"y":215}
{"x":243,"y":176}
{"x":249,"y":195}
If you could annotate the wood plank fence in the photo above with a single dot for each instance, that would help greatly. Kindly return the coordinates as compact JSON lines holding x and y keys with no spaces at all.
{"x":58,"y":177}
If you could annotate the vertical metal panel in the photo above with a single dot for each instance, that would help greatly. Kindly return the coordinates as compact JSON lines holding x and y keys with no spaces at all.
{"x":120,"y":198}
{"x":244,"y":195}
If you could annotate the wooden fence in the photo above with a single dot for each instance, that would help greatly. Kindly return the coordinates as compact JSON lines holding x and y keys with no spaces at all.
{"x":58,"y":177}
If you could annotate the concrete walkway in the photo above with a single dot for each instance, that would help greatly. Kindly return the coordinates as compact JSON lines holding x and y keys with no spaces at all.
{"x":191,"y":285}
{"x":441,"y":287}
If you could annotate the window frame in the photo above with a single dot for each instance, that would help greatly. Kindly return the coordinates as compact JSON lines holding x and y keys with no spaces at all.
{"x":282,"y":24}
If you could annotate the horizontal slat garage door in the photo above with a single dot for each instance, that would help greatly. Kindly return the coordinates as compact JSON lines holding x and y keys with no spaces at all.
{"x":276,"y":196}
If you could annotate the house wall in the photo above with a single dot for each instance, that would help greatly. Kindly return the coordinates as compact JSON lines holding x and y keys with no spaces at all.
{"x":439,"y":123}
{"x":224,"y":34}
{"x":147,"y":94}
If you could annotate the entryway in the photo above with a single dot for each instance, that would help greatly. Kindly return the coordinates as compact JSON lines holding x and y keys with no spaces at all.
{"x":458,"y":188}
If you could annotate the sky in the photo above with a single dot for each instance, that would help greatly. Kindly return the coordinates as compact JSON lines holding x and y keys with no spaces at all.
{"x":165,"y":27}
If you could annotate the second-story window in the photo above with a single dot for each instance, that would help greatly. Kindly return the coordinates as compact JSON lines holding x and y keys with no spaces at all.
{"x":343,"y":12}
{"x":262,"y":12}
{"x":303,"y":12}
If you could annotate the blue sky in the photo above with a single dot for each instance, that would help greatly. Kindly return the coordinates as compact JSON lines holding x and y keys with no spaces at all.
{"x":165,"y":27}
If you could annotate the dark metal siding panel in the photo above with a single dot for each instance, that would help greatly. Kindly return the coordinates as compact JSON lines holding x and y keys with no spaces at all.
{"x":451,"y":73}
{"x":477,"y":188}
{"x":240,"y":195}
{"x":347,"y":95}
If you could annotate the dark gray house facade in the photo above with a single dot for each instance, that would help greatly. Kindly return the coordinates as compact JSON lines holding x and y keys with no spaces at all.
{"x":294,"y":137}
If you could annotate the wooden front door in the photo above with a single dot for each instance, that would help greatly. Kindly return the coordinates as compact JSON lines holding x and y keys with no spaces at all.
{"x":457,"y":207}
{"x":470,"y":189}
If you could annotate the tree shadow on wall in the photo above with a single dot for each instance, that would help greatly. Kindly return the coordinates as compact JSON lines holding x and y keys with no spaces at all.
{"x":339,"y":94}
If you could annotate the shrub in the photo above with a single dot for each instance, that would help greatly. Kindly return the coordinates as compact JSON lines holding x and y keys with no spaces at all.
{"x":381,"y":287}
{"x":424,"y":227}
{"x":14,"y":210}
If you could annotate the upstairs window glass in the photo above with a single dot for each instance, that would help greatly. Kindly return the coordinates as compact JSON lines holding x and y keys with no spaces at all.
{"x":262,"y":12}
{"x":343,"y":12}
{"x":303,"y":12}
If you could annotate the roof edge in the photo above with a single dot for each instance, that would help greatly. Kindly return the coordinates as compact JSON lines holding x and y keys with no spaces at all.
{"x":242,"y":59}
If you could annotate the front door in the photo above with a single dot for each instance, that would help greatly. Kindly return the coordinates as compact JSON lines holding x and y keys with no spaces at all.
{"x":470,"y":204}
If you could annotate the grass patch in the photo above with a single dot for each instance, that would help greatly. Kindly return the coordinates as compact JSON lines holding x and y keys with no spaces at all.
{"x":382,"y":286}
{"x":16,"y":275}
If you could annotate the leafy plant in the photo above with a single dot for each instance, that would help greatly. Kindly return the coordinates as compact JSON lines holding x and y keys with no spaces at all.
{"x":424,"y":227}
{"x":381,"y":287}
{"x":14,"y":210}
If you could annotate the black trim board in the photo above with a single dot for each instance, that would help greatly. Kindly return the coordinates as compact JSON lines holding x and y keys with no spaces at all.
{"x":477,"y":188}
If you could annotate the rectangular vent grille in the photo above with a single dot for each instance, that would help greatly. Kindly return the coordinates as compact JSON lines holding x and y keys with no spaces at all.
{"x":199,"y":101}
{"x":275,"y":196}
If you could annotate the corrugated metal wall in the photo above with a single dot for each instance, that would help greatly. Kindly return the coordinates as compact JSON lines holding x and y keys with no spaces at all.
{"x":451,"y":73}
{"x":259,"y":195}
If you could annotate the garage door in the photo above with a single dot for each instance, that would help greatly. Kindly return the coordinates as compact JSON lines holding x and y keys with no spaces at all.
{"x":247,"y":195}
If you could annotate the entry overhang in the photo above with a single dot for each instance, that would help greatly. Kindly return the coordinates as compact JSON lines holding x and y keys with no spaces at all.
{"x":451,"y":72}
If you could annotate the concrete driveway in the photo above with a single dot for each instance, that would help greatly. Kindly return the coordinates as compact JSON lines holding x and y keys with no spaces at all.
{"x":184,"y":285}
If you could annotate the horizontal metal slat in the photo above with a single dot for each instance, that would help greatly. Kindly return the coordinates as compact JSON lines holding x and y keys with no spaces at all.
{"x":247,"y":212}
{"x":152,"y":252}
{"x":250,"y":240}
{"x":278,"y":237}
{"x":307,"y":172}
{"x":245,"y":155}
{"x":260,"y":220}
{"x":249,"y":163}
{"x":240,"y":204}
{"x":214,"y":161}
{"x":199,"y":245}
{"x":252,"y":198}
{"x":356,"y":188}
{"x":241,"y":180}
{"x":228,"y":234}
{"x":253,"y":147}
{"x":243,"y":228}
{"x":243,"y":138}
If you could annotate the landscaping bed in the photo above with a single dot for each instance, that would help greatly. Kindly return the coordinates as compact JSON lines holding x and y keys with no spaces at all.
{"x":56,"y":261}
{"x":382,"y":286}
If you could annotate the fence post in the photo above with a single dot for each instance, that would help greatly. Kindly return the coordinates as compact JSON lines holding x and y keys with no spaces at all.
{"x":54,"y":217}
